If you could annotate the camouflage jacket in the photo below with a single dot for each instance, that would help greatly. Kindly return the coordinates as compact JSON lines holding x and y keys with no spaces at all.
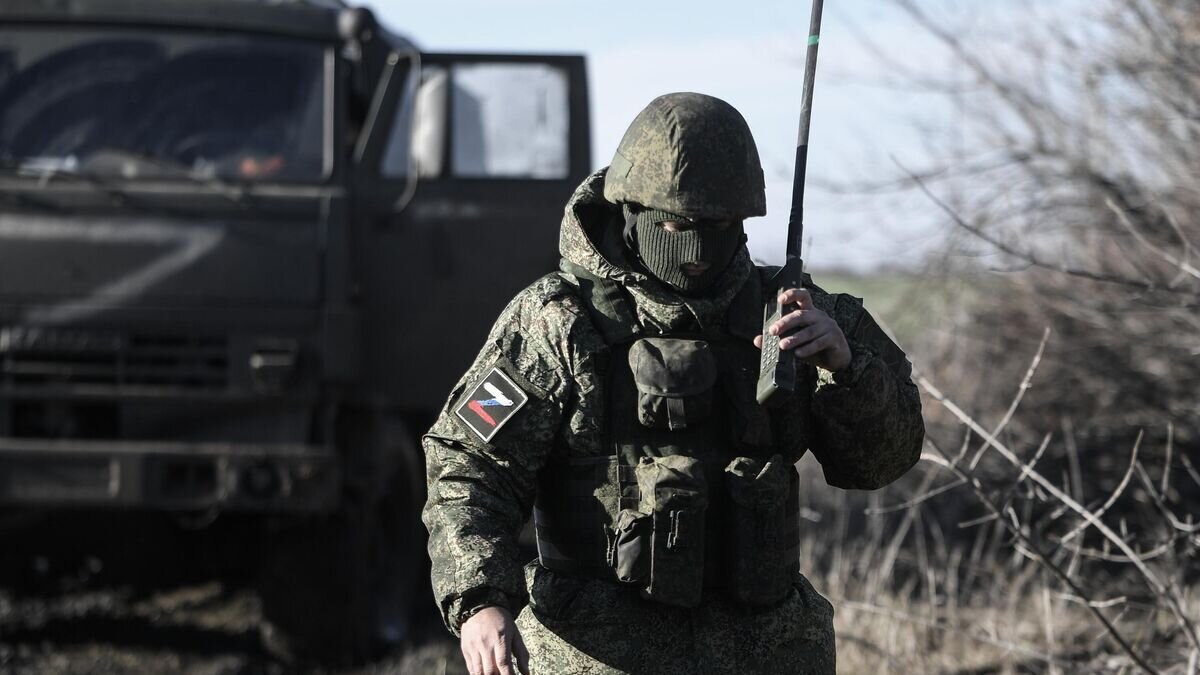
{"x":863,"y":424}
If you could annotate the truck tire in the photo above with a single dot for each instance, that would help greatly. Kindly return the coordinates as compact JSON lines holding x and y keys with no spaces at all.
{"x":340,"y":589}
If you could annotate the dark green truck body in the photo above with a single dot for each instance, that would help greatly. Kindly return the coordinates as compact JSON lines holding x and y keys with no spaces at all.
{"x":246,"y":248}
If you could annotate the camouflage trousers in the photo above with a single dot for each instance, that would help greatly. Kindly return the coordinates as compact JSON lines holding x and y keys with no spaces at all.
{"x":577,"y":626}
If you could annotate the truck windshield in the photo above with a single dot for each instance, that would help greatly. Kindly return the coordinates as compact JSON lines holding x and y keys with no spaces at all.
{"x":160,"y":104}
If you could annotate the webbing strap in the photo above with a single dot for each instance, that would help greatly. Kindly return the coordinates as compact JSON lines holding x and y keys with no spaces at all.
{"x":791,"y":525}
{"x":611,"y":310}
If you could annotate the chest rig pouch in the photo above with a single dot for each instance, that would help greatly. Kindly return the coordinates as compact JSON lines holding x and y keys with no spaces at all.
{"x":674,"y":379}
{"x":659,"y":546}
{"x":674,"y":511}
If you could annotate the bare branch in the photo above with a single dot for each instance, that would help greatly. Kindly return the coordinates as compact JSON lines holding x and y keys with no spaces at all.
{"x":1097,"y":554}
{"x":1026,"y":382}
{"x":1116,"y":493}
{"x":1187,"y":464}
{"x":1032,"y":259}
{"x":976,"y":521}
{"x":919,"y":499}
{"x":1049,"y":564}
{"x":1166,"y":475}
{"x":1098,"y":604}
{"x":1184,"y":266}
{"x":1166,"y":512}
{"x":1117,"y":540}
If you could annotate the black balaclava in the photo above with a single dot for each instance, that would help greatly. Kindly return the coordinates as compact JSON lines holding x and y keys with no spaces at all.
{"x":663,"y":252}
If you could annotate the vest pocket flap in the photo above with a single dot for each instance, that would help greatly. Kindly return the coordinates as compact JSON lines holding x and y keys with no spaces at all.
{"x":671,"y":483}
{"x":632,"y":544}
{"x":757,"y":486}
{"x":674,"y":380}
{"x":672,"y":368}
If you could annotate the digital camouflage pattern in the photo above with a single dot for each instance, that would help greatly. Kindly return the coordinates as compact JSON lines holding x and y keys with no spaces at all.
{"x":863,"y":425}
{"x":691,"y":155}
{"x":596,"y":627}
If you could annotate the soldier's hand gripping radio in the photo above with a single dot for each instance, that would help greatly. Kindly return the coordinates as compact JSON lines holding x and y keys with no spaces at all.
{"x":777,"y":369}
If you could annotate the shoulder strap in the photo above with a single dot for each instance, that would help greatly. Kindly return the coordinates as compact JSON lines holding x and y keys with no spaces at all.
{"x":744,"y":318}
{"x":610,"y":308}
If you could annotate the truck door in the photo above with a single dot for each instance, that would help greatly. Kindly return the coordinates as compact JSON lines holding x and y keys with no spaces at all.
{"x":483,"y":153}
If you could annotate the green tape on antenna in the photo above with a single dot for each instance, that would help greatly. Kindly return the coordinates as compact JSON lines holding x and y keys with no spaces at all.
{"x":813,"y":39}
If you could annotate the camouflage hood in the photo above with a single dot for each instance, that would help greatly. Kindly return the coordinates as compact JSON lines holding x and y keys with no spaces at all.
{"x":591,"y":238}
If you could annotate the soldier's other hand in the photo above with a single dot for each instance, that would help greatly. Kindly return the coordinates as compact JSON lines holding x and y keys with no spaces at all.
{"x":818,"y":339}
{"x":489,"y":642}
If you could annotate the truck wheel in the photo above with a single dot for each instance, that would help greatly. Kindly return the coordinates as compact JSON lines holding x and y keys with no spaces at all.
{"x":340,"y":589}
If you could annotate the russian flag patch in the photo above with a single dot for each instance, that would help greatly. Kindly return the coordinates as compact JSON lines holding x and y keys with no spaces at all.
{"x":492,"y":402}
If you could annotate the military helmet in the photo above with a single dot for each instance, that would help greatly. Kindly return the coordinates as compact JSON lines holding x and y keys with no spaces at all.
{"x":691,"y":155}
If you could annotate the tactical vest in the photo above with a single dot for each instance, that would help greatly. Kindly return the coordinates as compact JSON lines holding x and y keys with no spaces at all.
{"x":692,"y":498}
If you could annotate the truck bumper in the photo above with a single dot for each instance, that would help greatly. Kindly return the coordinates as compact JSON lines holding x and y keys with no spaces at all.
{"x":169,"y":476}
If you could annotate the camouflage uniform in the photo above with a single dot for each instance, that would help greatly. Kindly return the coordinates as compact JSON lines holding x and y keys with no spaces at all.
{"x":863,"y":424}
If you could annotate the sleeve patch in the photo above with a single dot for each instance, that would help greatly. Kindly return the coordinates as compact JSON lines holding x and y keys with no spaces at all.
{"x":493,"y":400}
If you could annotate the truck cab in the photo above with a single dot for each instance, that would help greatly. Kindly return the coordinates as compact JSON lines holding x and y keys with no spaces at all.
{"x":246,"y":247}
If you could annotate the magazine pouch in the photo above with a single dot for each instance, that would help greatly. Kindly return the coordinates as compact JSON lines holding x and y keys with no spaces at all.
{"x":758,"y":551}
{"x":674,"y":494}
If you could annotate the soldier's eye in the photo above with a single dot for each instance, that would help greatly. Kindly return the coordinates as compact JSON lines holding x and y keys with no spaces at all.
{"x":675,"y":225}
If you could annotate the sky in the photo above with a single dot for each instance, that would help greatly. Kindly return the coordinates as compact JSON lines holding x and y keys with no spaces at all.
{"x":752,"y":55}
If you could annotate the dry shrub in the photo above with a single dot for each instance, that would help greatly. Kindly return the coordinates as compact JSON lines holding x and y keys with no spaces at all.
{"x":1051,"y":526}
{"x":1092,"y":208}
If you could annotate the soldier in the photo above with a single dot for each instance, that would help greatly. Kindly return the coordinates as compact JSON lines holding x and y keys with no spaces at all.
{"x":615,"y":400}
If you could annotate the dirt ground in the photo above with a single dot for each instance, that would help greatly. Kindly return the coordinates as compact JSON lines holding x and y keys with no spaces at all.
{"x":87,"y":593}
{"x":199,"y":629}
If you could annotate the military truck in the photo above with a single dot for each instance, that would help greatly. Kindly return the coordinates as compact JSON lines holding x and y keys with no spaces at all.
{"x":246,"y":247}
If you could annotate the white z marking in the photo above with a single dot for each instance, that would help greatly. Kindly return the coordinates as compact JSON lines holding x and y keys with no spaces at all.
{"x":497,"y":394}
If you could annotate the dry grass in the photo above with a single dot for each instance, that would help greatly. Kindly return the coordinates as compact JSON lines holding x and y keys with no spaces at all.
{"x":912,"y":598}
{"x":971,"y":610}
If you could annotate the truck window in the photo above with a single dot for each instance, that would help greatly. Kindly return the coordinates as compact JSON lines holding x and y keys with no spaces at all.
{"x":510,"y":120}
{"x":500,"y":119}
{"x":133,"y":103}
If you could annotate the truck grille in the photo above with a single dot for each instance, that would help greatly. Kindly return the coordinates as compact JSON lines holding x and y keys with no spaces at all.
{"x":38,"y":357}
